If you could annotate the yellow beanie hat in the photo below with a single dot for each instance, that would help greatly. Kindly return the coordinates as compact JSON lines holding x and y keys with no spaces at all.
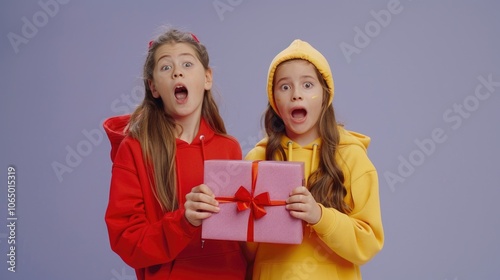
{"x":299,"y":49}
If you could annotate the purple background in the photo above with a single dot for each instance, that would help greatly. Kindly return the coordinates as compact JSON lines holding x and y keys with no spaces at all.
{"x":74,"y":63}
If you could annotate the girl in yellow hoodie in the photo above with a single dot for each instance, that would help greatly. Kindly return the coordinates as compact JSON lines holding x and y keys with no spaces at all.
{"x":340,"y":203}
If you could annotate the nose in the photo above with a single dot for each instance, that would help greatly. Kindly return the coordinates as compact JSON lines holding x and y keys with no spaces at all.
{"x":296,"y":95}
{"x":177,"y":73}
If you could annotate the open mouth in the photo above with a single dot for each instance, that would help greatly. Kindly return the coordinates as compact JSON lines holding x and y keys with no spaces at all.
{"x":299,"y":113}
{"x":181,"y":92}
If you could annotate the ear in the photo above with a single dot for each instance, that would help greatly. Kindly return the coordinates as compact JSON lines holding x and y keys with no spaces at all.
{"x":208,"y":79}
{"x":152,"y":88}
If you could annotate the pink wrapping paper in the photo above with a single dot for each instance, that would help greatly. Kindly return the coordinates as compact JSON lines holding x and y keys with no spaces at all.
{"x":278,"y":178}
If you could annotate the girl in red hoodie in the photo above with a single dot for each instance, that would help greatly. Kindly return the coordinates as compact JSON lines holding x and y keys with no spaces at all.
{"x":158,"y":153}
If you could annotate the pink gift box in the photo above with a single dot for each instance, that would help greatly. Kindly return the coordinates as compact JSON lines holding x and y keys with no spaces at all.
{"x":239,"y":218}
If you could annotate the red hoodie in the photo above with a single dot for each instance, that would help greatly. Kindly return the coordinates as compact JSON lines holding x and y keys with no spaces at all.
{"x":162,"y":245}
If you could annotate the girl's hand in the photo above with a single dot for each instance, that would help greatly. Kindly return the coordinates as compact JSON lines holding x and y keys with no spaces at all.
{"x":302,"y":205}
{"x":200,"y":204}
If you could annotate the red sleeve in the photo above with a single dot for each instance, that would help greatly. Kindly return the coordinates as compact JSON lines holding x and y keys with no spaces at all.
{"x":139,"y":242}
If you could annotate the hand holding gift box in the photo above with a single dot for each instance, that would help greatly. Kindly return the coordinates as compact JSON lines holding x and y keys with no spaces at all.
{"x":252,"y":198}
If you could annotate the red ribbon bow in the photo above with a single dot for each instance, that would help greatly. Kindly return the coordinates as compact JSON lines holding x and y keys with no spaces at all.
{"x":244,"y":200}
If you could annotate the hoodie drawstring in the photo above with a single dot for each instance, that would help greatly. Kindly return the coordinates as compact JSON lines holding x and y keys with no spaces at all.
{"x":202,"y":139}
{"x":313,"y":157}
{"x":290,"y":144}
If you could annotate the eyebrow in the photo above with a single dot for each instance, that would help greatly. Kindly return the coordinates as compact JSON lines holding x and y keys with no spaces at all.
{"x":167,"y":56}
{"x":279,"y":81}
{"x":301,"y":77}
{"x":309,"y":76}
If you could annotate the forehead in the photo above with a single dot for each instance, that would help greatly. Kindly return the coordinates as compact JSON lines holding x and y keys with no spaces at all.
{"x":296,"y":66}
{"x":174,"y":49}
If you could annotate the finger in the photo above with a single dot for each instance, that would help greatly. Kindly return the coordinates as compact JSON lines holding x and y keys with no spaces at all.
{"x":201,"y":197}
{"x":292,"y":199}
{"x":300,"y":190}
{"x":298,"y":207}
{"x":307,"y":206}
{"x":195,"y":215}
{"x":298,"y":215}
{"x":295,"y":214}
{"x":201,"y":207}
{"x":206,"y":190}
{"x":296,"y":198}
{"x":195,"y":218}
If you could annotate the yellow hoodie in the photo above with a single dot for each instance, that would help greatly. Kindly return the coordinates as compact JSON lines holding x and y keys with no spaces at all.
{"x":338,"y":244}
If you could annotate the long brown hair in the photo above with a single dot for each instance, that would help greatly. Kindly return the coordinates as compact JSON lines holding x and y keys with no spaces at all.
{"x":326,"y":183}
{"x":155,"y":129}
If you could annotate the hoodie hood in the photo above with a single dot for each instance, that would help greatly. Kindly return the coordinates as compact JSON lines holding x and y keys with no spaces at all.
{"x":116,"y":129}
{"x":309,"y":154}
{"x":347,"y":137}
{"x":299,"y":49}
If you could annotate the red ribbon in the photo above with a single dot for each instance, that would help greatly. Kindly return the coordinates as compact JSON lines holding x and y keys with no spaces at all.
{"x":246,"y":200}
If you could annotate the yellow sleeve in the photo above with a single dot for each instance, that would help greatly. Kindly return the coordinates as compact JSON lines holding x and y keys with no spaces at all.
{"x":357,"y":236}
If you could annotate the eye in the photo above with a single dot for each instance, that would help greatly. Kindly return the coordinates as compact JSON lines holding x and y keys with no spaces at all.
{"x":188,"y":64}
{"x":284,"y":87}
{"x":308,"y":85}
{"x":165,"y":68}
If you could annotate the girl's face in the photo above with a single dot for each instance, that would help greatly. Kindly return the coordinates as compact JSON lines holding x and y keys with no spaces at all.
{"x":180,"y":80}
{"x":298,"y":95}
